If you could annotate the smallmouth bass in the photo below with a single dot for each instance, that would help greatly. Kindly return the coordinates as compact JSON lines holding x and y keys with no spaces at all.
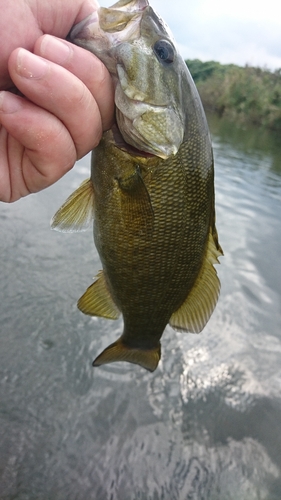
{"x":151,"y":191}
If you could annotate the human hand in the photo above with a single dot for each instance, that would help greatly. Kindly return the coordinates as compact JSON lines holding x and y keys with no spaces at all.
{"x":69,"y":102}
{"x":59,"y":120}
{"x":24,"y":21}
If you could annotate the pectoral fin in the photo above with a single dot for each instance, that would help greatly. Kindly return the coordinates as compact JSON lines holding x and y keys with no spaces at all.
{"x":118,"y":351}
{"x":137,"y":210}
{"x":77,"y":212}
{"x":97,"y":301}
{"x":195,"y":312}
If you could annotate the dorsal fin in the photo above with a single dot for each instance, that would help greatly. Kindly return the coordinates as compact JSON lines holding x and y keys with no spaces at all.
{"x":195,"y":312}
{"x":118,"y":351}
{"x":97,"y":301}
{"x":77,"y":212}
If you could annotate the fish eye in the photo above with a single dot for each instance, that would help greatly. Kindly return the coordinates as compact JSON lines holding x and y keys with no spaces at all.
{"x":164,"y":51}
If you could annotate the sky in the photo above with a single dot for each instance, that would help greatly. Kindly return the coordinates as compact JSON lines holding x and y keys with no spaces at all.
{"x":240,"y":32}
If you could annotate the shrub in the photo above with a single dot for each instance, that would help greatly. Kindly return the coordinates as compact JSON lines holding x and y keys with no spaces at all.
{"x":248,"y":94}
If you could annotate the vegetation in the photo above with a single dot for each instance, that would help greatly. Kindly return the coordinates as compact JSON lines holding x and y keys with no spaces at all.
{"x":246,"y":94}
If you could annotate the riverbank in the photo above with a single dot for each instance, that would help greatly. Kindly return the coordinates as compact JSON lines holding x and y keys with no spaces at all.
{"x":246,"y":94}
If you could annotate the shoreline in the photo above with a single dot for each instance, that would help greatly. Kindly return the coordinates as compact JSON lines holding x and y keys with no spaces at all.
{"x":246,"y":94}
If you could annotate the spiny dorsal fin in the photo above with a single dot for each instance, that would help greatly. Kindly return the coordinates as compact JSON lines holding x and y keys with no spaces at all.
{"x":97,"y":301}
{"x":77,"y":212}
{"x":195,"y":312}
{"x":118,"y":351}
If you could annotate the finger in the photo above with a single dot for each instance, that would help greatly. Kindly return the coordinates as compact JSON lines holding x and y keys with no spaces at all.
{"x":22,"y":22}
{"x":39,"y":148}
{"x":86,"y":66}
{"x":58,"y":91}
{"x":57,"y":17}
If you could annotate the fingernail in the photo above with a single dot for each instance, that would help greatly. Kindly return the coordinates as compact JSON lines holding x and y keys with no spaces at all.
{"x":30,"y":66}
{"x":9,"y":103}
{"x":54,"y":49}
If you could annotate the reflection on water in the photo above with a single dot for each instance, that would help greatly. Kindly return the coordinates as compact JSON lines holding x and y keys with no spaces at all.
{"x":207,"y":423}
{"x":261,"y":144}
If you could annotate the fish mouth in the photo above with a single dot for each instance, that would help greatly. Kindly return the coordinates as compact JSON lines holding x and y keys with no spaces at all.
{"x":130,"y":5}
{"x":110,"y":26}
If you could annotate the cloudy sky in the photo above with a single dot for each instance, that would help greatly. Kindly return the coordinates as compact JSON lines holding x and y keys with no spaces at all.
{"x":240,"y":32}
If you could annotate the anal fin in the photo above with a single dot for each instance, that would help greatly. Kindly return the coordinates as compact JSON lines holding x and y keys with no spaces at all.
{"x":77,"y":212}
{"x":97,"y":301}
{"x":195,"y":312}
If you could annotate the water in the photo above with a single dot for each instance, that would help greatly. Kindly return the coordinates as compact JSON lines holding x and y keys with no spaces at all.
{"x":207,"y":424}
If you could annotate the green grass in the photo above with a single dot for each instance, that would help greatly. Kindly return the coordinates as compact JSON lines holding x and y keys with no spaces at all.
{"x":249,"y":95}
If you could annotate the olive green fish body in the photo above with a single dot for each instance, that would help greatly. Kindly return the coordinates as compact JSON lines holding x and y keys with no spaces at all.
{"x":151,"y":224}
{"x":151,"y":192}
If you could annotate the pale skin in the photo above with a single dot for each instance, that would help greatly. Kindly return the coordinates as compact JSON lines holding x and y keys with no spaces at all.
{"x":68,"y":94}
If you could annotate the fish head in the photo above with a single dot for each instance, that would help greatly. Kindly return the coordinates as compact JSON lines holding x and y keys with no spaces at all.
{"x":138,"y":49}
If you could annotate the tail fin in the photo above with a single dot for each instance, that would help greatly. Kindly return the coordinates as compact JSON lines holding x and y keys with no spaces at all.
{"x":118,"y":351}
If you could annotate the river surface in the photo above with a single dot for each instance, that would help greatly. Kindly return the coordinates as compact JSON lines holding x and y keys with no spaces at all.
{"x":207,"y":423}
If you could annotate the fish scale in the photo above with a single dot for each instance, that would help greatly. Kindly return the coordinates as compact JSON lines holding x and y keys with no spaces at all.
{"x":169,"y":257}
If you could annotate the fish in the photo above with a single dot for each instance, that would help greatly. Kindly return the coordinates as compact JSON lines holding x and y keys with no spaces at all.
{"x":151,"y":190}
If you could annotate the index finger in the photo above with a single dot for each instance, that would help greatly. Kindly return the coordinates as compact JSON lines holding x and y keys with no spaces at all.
{"x":86,"y":66}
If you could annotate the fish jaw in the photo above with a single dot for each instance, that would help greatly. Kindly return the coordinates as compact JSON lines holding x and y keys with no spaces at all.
{"x":130,"y":5}
{"x":105,"y":28}
{"x":148,"y":115}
